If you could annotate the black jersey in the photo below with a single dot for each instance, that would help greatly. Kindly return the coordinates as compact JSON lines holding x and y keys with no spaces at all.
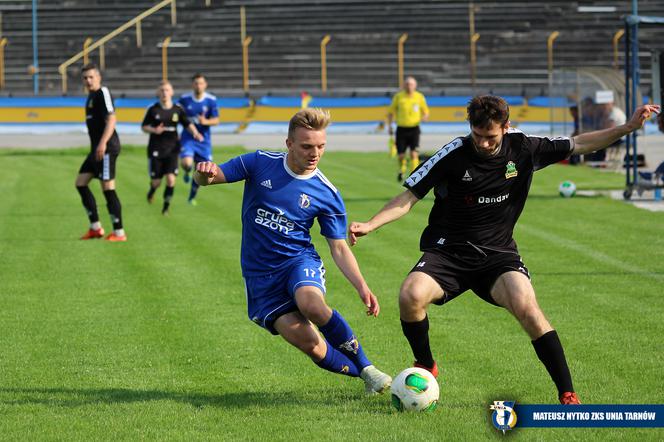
{"x":168,"y":142}
{"x":98,"y":107}
{"x":479,"y":199}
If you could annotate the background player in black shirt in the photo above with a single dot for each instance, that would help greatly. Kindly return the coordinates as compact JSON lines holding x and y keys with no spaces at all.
{"x":161,"y":122}
{"x":481,"y":182}
{"x":100,"y":162}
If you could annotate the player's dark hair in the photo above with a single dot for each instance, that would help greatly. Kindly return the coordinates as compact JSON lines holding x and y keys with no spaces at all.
{"x":197,"y":75}
{"x":89,"y":67}
{"x":483,"y":110}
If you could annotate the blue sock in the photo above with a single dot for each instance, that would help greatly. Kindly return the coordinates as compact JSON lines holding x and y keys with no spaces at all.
{"x":194,"y":190}
{"x":339,"y":334}
{"x":337,"y":362}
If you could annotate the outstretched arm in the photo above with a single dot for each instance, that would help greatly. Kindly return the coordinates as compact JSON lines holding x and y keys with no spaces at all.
{"x":395,"y":209}
{"x":599,"y":139}
{"x":207,"y":172}
{"x":347,"y":263}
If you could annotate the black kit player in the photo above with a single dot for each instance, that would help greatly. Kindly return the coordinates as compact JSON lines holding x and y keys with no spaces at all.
{"x":100,"y":162}
{"x":481,"y":182}
{"x":161,"y":122}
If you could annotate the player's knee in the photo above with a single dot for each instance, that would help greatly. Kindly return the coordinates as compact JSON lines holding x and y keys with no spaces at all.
{"x":108,"y":185}
{"x":319,"y":315}
{"x":315,"y":311}
{"x":412,"y":297}
{"x":527,"y":313}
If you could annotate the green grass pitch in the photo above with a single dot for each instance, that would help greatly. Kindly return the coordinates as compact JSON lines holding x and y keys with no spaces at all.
{"x":149,"y":339}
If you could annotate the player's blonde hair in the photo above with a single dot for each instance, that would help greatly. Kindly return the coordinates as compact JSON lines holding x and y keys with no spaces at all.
{"x":310,"y":118}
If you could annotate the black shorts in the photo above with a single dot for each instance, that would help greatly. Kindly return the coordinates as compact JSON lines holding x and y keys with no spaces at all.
{"x":408,"y":138}
{"x":158,"y":167}
{"x":103,"y":170}
{"x":457,"y":268}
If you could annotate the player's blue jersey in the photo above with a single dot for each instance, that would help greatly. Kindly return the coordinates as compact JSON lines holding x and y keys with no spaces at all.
{"x":207,"y":106}
{"x":279,"y":208}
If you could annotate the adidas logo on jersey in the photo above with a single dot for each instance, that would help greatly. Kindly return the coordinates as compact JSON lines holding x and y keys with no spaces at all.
{"x":466,"y":176}
{"x":441,"y":241}
{"x":267,"y":183}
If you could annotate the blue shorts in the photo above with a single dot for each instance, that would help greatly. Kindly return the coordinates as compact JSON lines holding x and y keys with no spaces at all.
{"x":200,"y":151}
{"x":272,"y":295}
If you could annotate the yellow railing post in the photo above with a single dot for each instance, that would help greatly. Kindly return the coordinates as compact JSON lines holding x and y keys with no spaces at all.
{"x":473,"y":37}
{"x":139,"y":34}
{"x":243,"y":24}
{"x":62,"y":69}
{"x":616,"y":38}
{"x":63,"y":73}
{"x":549,"y":48}
{"x":86,"y":50}
{"x":323,"y":62}
{"x":102,"y":58}
{"x":402,"y":40}
{"x":164,"y":58}
{"x":3,"y":43}
{"x":245,"y":63}
{"x":473,"y":58}
{"x":174,"y":13}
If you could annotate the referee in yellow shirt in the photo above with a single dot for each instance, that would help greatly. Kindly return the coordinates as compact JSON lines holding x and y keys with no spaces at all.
{"x":410,"y":108}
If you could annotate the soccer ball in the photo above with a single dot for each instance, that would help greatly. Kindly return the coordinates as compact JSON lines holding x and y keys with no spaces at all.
{"x":567,"y":189}
{"x":415,"y":389}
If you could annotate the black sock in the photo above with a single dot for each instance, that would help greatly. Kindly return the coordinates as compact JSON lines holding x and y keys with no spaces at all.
{"x":168,"y":195}
{"x":550,"y":351}
{"x":417,"y":334}
{"x":152,"y":190}
{"x":114,"y":208}
{"x":194,"y":190}
{"x":89,"y":203}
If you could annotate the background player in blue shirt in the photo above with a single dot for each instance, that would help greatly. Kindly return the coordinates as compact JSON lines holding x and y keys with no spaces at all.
{"x":284,"y":276}
{"x":201,"y":109}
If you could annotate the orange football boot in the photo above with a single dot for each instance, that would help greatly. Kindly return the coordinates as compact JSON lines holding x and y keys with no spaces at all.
{"x":93,"y":234}
{"x":115,"y":238}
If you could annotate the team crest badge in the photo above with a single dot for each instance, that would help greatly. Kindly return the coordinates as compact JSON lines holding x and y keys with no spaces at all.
{"x":305,"y":201}
{"x":511,"y":171}
{"x":504,"y":416}
{"x":351,"y":346}
{"x":176,"y":118}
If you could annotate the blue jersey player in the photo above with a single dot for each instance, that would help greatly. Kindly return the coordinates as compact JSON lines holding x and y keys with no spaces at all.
{"x":201,"y":109}
{"x":284,"y":276}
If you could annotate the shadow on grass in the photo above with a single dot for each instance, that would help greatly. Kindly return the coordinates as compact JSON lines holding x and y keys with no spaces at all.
{"x":72,"y":397}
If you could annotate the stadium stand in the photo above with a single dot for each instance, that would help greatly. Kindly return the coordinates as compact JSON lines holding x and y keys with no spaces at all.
{"x":285,"y":57}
